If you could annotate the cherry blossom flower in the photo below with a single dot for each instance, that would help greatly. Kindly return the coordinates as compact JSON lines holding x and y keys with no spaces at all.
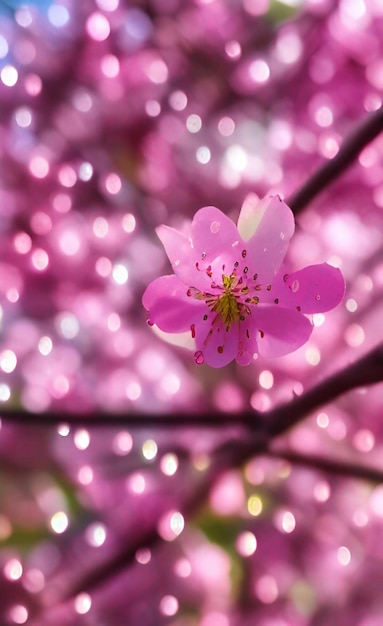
{"x":230,"y":289}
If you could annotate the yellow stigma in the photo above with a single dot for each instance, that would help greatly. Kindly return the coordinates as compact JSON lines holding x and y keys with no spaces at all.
{"x":227,"y":305}
{"x":232,"y":304}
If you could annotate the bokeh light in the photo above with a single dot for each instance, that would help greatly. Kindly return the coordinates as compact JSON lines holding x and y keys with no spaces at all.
{"x":139,"y":485}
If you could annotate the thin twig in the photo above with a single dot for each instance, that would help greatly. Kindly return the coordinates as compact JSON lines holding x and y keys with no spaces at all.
{"x":369,"y":128}
{"x":331,"y":466}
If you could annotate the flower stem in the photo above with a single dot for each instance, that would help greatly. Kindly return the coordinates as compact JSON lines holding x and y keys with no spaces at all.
{"x":369,"y":128}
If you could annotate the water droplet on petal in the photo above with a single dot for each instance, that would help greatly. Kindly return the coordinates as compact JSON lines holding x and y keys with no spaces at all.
{"x":282,"y":235}
{"x":214,"y":227}
{"x":244,"y":358}
{"x":199,"y":358}
{"x":203,"y":255}
{"x":149,"y":323}
{"x":244,"y":253}
{"x":295,"y":286}
{"x":177,"y":262}
{"x":234,"y":244}
{"x":317,"y":297}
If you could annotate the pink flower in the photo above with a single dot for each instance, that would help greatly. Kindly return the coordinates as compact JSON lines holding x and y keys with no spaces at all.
{"x":229,"y":288}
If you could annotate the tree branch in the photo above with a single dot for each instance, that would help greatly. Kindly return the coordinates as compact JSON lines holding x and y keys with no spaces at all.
{"x":369,"y":128}
{"x":234,"y":453}
{"x":128,"y":420}
{"x":332,"y":466}
{"x":365,"y":371}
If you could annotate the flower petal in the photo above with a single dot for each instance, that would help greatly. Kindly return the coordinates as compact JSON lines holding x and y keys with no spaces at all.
{"x":280,"y":330}
{"x":248,"y":345}
{"x":267,"y":227}
{"x":181,"y":255}
{"x":213,"y":233}
{"x":314,"y":289}
{"x":168,"y":305}
{"x":217,"y":345}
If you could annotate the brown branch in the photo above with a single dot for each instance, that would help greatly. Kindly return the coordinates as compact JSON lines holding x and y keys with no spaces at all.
{"x":332,"y":466}
{"x":53,"y":418}
{"x":365,"y":371}
{"x":369,"y":128}
{"x":231,"y":454}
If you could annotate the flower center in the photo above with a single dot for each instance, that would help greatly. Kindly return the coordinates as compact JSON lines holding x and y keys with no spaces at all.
{"x":232,"y":304}
{"x":227,"y":304}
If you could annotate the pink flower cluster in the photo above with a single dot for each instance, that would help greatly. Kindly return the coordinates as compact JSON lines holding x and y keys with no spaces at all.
{"x":230,"y":288}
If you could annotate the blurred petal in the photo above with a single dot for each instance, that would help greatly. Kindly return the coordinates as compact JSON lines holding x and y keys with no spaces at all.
{"x":168,"y":305}
{"x":314,"y":289}
{"x":267,"y":228}
{"x":280,"y":330}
